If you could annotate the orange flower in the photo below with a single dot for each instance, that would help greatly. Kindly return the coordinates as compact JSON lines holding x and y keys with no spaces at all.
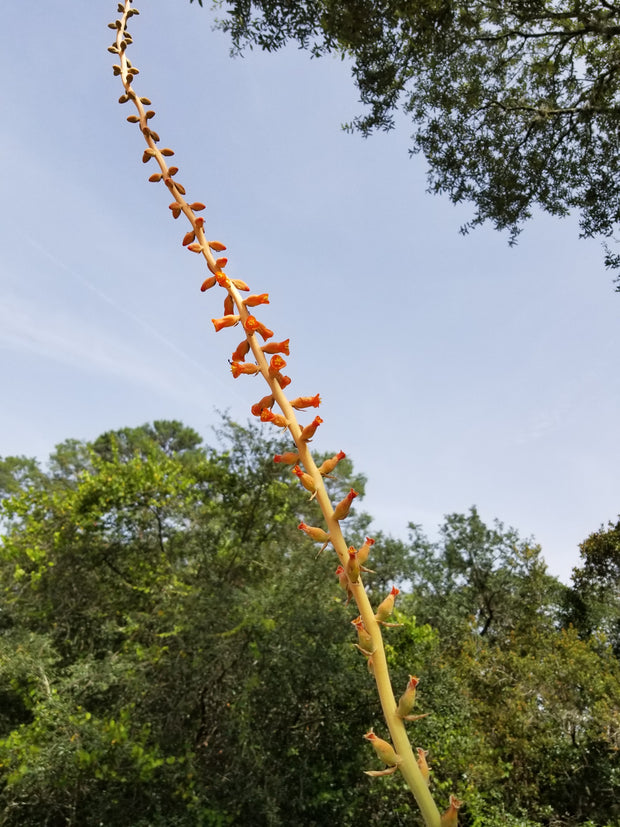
{"x":282,"y":380}
{"x":385,"y":751}
{"x":248,"y":368}
{"x":450,"y":817}
{"x":277,"y":347}
{"x":306,"y":401}
{"x":241,"y":352}
{"x":305,"y":479}
{"x":226,"y":321}
{"x":344,"y":582}
{"x":217,"y":246}
{"x":364,"y":640}
{"x":276,"y":364}
{"x":288,"y":458}
{"x":316,"y":534}
{"x":309,"y":431}
{"x":422,"y":765}
{"x":386,"y":607}
{"x":223,"y":280}
{"x":253,"y":301}
{"x":276,"y":419}
{"x":229,"y":306}
{"x":265,"y":402}
{"x":328,"y":466}
{"x":342,"y":509}
{"x":407,"y":699}
{"x":362,"y":554}
{"x":353,"y":567}
{"x":252,"y":325}
{"x":220,"y":263}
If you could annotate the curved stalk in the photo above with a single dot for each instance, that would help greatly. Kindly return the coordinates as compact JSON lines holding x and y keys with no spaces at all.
{"x":236,"y":313}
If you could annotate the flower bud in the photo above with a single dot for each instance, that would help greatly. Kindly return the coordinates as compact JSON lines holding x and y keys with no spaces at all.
{"x":207,"y":284}
{"x":353,"y":567}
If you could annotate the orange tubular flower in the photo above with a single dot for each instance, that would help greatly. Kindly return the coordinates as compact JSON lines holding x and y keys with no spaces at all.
{"x":276,"y":364}
{"x":407,"y":699}
{"x":226,"y":321}
{"x":386,"y":607}
{"x":288,"y":458}
{"x":248,"y":368}
{"x":305,"y":479}
{"x":364,"y":640}
{"x":306,"y":401}
{"x":342,"y":509}
{"x":385,"y":751}
{"x":265,"y":402}
{"x":328,"y":466}
{"x":344,"y":582}
{"x":276,"y":419}
{"x":309,"y":431}
{"x":450,"y":817}
{"x":353,"y":567}
{"x":316,"y":534}
{"x":257,"y":298}
{"x":242,"y":351}
{"x":282,"y":380}
{"x":223,"y":280}
{"x":252,"y":325}
{"x":229,"y":306}
{"x":362,"y":554}
{"x":423,"y":766}
{"x":277,"y":347}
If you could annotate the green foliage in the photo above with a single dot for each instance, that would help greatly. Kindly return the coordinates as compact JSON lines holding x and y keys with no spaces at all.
{"x":173,"y":652}
{"x":514,"y":104}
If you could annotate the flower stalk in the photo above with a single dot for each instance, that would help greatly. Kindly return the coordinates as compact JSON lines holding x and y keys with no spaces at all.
{"x":269,"y":361}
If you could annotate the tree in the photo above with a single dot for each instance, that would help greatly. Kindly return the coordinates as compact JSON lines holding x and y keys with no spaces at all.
{"x":593,"y":602}
{"x":515,"y":104}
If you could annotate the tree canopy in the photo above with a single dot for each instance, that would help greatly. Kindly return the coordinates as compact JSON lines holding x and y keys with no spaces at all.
{"x":515,"y":105}
{"x":173,"y":652}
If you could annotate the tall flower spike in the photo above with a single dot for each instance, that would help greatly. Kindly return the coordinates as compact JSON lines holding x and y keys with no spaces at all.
{"x":450,"y":817}
{"x":385,"y":751}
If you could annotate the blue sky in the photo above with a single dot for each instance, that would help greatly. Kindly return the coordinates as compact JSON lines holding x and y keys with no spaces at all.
{"x":453,"y":370}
